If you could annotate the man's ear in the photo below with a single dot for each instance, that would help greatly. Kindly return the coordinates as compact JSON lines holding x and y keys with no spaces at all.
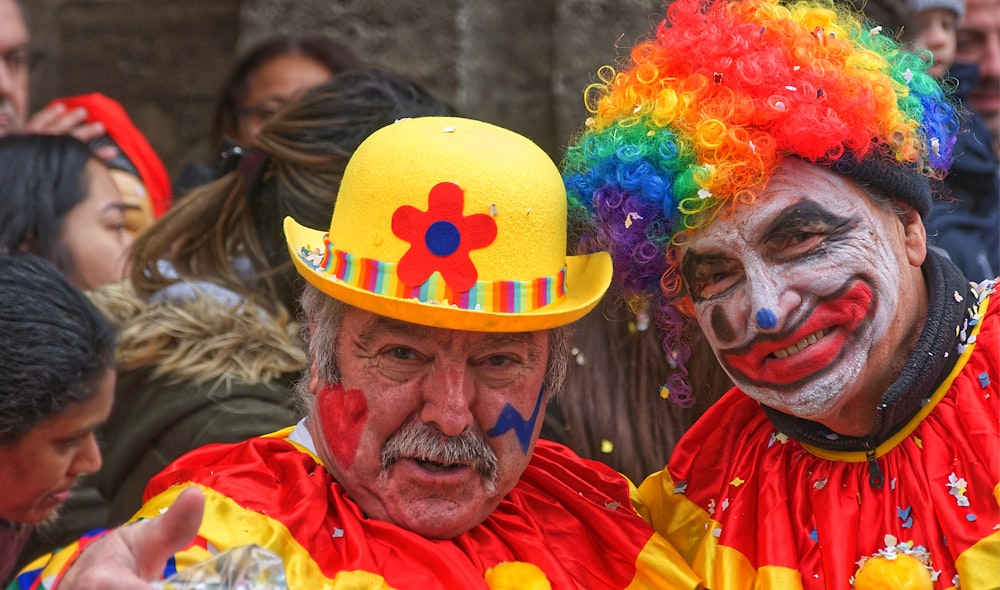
{"x":313,"y":379}
{"x":914,"y":237}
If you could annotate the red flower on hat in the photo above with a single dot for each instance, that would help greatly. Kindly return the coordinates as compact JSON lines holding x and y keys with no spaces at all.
{"x":441,"y":238}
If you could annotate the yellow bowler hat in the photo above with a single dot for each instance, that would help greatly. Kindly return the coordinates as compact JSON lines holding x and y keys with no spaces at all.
{"x":452,"y":223}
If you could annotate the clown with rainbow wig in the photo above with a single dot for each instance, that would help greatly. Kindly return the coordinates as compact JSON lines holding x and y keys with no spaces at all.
{"x":760,"y":170}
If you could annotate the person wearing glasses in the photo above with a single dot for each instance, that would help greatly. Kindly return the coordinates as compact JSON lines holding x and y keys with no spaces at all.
{"x":17,"y":58}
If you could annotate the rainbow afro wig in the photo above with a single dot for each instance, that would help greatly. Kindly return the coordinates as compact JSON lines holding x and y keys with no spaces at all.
{"x":695,"y":121}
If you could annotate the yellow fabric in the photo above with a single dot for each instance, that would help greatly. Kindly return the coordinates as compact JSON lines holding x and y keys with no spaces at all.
{"x":979,"y":566}
{"x":656,"y":567}
{"x":226,"y":524}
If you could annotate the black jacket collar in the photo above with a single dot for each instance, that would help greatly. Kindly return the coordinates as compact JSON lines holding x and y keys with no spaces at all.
{"x":950,"y":296}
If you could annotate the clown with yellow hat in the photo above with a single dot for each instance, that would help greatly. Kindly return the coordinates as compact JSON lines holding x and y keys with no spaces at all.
{"x":436,"y":311}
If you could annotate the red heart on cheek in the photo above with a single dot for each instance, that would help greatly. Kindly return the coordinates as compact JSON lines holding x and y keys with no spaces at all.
{"x":342,"y":415}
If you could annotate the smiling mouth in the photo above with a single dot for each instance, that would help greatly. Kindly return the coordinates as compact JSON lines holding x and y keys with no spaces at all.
{"x":779,"y":361}
{"x":800,"y":345}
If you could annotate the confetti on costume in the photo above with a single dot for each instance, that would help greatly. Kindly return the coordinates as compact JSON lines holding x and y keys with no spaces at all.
{"x":699,"y":116}
{"x":686,"y":132}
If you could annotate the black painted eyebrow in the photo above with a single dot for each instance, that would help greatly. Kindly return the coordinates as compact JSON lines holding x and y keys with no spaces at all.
{"x":803,"y":214}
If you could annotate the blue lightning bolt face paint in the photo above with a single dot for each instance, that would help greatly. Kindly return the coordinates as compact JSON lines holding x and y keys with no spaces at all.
{"x":511,"y":419}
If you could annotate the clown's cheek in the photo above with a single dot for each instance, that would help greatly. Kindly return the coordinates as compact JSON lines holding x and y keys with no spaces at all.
{"x":342,"y":416}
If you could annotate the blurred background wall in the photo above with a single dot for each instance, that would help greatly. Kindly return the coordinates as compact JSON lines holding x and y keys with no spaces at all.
{"x":522,"y":64}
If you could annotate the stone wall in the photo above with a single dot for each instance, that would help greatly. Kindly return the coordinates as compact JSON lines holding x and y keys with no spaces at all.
{"x":164,"y":60}
{"x":522,"y":64}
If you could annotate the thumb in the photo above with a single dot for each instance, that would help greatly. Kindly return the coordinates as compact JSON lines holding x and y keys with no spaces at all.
{"x":153,"y":542}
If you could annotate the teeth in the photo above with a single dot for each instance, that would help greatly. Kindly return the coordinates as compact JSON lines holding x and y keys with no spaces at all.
{"x":800,"y":345}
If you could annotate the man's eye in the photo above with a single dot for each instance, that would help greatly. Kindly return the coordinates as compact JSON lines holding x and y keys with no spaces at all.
{"x":967,"y":45}
{"x":713,"y":279}
{"x":402,"y":353}
{"x":499,"y":361}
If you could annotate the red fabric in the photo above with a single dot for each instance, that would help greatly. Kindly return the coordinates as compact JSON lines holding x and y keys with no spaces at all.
{"x":571,"y":517}
{"x":780,"y":504}
{"x":131,"y":141}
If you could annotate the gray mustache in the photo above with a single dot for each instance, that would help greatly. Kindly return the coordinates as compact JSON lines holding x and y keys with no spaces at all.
{"x":424,"y":442}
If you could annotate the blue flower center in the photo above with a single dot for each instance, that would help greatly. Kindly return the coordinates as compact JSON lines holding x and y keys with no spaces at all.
{"x":442,"y":238}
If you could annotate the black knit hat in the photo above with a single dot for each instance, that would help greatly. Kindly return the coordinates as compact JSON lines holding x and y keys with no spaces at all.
{"x":889,"y":179}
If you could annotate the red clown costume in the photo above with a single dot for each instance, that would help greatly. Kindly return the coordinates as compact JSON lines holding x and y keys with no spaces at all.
{"x":571,"y":518}
{"x":752,"y":505}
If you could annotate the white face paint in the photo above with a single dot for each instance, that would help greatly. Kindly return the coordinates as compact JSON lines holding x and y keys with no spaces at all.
{"x":834,"y":270}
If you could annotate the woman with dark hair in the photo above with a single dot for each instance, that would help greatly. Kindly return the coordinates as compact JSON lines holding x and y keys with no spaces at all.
{"x":269,"y":75}
{"x":57,"y":363}
{"x":59,"y":202}
{"x":266,"y":78}
{"x":208,"y":345}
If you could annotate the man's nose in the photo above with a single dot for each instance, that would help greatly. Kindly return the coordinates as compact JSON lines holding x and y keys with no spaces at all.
{"x":448,"y":397}
{"x":772,"y":300}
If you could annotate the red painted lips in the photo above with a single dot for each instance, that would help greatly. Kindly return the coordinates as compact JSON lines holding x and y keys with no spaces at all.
{"x":812,"y":347}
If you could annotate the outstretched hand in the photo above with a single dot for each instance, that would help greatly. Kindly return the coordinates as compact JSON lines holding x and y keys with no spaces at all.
{"x":133,"y":555}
